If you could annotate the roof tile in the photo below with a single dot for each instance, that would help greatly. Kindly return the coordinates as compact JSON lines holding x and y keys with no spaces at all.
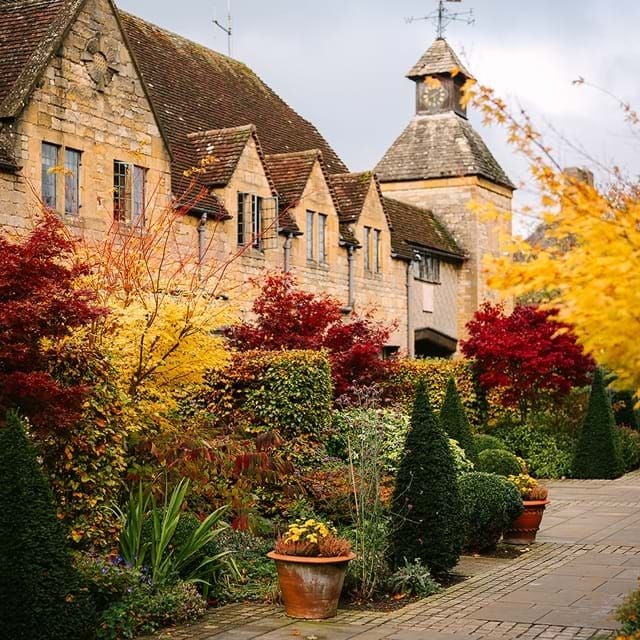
{"x":439,"y":59}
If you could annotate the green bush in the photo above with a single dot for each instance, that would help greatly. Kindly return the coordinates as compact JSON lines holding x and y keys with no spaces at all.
{"x":40,"y":592}
{"x":548,"y":455}
{"x":413,"y":579}
{"x":503,"y":463}
{"x":628,"y":615}
{"x":288,"y":391}
{"x":454,"y":421}
{"x":436,"y":373}
{"x":490,"y":504}
{"x":623,"y":404}
{"x":426,"y":500}
{"x":629,"y":443}
{"x":146,"y":609}
{"x":482,"y":441}
{"x":598,"y":454}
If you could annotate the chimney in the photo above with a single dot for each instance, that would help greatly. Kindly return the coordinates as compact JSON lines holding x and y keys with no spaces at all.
{"x":580,"y":173}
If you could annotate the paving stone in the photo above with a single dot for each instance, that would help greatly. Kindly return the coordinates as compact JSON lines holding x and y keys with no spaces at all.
{"x":512,"y":612}
{"x":578,"y":617}
{"x":534,"y":596}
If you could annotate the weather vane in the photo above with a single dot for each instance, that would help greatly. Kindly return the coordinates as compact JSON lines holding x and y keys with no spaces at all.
{"x":442,"y":17}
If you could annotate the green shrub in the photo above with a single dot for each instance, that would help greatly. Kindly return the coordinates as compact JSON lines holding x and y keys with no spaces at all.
{"x":629,"y":443}
{"x":146,"y":609}
{"x":623,"y":404}
{"x":548,"y":455}
{"x":460,"y":460}
{"x":167,"y":556}
{"x":426,"y":500}
{"x":503,"y":463}
{"x":454,"y":421}
{"x":598,"y":453}
{"x":482,"y":441}
{"x":436,"y":373}
{"x":413,"y":579}
{"x":40,"y":590}
{"x":288,"y":391}
{"x":490,"y":504}
{"x":628,"y":615}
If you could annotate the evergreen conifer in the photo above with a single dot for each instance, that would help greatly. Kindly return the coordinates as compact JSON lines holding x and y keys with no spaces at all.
{"x":598,"y":454}
{"x":427,"y":516}
{"x":454,"y":421}
{"x":40,"y":594}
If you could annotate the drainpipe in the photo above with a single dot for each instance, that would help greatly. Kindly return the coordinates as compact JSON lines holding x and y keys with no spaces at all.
{"x":287,"y":252}
{"x":351,"y":303}
{"x":411,"y":346}
{"x":202,"y":239}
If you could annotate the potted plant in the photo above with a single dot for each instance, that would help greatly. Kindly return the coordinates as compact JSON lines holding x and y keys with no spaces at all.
{"x":312,"y":561}
{"x":524,"y":528}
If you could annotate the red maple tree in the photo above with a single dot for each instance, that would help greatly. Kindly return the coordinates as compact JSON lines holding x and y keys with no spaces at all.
{"x":527,"y":355}
{"x":39,"y":300}
{"x":289,"y":318}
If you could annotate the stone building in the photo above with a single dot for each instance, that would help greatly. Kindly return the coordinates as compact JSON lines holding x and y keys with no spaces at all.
{"x":106,"y":119}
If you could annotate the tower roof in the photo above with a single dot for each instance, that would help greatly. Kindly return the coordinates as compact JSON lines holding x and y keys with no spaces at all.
{"x":439,"y":58}
{"x":440,"y":146}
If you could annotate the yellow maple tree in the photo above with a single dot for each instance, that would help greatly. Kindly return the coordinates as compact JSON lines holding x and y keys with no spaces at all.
{"x":585,"y":263}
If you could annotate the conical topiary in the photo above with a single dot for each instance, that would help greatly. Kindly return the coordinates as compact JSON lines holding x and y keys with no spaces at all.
{"x":598,"y":453}
{"x":454,"y":421}
{"x":39,"y":588}
{"x":427,"y":516}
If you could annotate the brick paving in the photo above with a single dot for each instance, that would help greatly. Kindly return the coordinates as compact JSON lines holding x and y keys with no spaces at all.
{"x":565,"y":587}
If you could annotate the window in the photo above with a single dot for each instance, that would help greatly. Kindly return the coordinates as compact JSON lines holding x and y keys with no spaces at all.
{"x":49,"y":175}
{"x":310,"y":224}
{"x":72,"y":182}
{"x":377,"y":234}
{"x":322,"y":238}
{"x":366,"y":242}
{"x":429,"y":267}
{"x":249,"y":220}
{"x":128,"y":192}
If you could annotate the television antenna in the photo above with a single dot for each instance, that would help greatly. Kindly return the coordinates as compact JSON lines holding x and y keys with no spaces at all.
{"x":228,"y":29}
{"x":442,"y":17}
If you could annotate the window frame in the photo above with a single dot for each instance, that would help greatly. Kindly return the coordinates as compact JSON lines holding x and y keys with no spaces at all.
{"x":72,"y":173}
{"x":366,"y":243}
{"x":323,"y":223}
{"x":135,"y":201}
{"x":49,"y":177}
{"x":429,"y":267}
{"x":249,"y":230}
{"x":377,"y":244}
{"x":310,"y":232}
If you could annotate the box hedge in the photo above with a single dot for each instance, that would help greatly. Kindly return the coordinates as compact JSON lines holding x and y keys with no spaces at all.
{"x":288,"y":391}
{"x":503,"y":463}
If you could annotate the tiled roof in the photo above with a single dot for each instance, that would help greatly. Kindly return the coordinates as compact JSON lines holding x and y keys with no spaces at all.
{"x":195,"y":89}
{"x":438,"y":59}
{"x":351,"y":190}
{"x":30,"y":32}
{"x":440,"y":146}
{"x":417,"y":227}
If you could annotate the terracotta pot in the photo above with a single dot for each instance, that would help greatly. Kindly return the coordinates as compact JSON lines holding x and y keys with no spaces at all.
{"x":524,"y":528}
{"x":311,"y":587}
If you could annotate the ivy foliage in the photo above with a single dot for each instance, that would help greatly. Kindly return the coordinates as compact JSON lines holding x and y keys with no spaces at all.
{"x":426,"y":500}
{"x":598,"y":454}
{"x":39,"y":588}
{"x":453,"y":419}
{"x":284,"y":391}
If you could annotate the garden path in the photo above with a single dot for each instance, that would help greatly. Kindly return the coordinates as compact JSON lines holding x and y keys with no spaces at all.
{"x":566,"y":587}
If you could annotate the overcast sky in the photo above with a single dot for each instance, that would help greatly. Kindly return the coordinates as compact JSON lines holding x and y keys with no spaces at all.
{"x":341,"y":64}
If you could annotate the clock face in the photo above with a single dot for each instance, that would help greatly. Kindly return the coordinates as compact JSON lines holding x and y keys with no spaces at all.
{"x":434,"y":97}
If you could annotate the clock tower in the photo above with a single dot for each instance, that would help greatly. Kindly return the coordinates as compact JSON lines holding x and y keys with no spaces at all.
{"x":439,"y":76}
{"x":442,"y":164}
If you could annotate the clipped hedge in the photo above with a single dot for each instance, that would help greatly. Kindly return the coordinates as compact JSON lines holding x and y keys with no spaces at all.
{"x":498,"y":461}
{"x":482,"y":441}
{"x":490,"y":503}
{"x":288,"y":391}
{"x":436,"y":373}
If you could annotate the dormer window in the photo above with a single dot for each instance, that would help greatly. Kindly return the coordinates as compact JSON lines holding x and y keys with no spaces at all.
{"x":249,"y":220}
{"x":428,"y":267}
